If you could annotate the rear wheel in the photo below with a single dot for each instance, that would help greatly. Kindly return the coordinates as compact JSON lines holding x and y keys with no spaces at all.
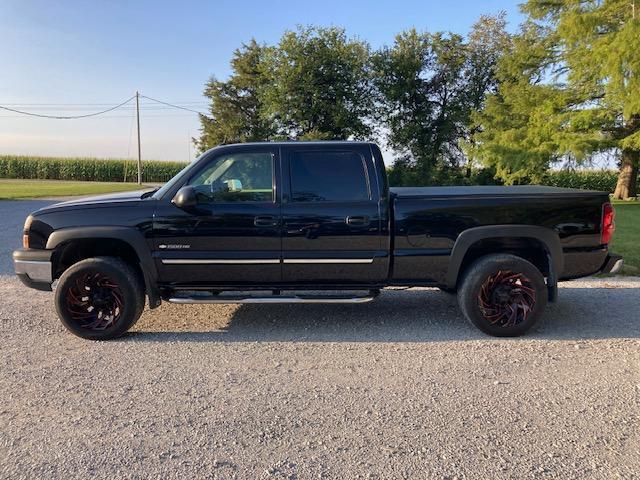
{"x":503,"y":295}
{"x":99,"y":298}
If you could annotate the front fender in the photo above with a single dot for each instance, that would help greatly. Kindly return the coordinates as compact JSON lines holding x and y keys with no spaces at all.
{"x":131,"y":236}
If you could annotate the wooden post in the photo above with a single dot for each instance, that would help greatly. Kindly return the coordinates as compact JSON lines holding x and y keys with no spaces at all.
{"x":139,"y":154}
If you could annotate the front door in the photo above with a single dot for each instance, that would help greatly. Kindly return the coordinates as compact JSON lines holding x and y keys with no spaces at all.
{"x":331,"y":216}
{"x":233,"y":235}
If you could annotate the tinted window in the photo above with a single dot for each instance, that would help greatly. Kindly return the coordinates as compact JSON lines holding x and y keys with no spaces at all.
{"x":328,"y":176}
{"x":236,"y":177}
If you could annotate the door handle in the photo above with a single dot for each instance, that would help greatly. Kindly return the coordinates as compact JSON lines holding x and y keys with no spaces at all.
{"x":357,"y":220}
{"x":265,"y":221}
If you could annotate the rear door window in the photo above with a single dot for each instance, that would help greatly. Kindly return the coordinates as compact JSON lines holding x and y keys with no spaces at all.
{"x":328,"y":176}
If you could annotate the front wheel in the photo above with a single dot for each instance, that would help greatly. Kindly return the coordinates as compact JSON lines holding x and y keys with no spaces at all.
{"x":503,"y":295}
{"x":99,"y":298}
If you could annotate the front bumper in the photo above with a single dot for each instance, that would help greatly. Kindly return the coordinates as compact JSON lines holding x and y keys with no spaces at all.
{"x":33,"y":268}
{"x":613,"y":264}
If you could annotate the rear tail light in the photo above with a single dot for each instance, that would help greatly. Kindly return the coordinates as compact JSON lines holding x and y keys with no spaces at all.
{"x":608,"y":223}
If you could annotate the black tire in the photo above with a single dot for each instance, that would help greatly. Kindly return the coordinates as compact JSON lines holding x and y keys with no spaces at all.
{"x":495,"y":286}
{"x":113,"y":302}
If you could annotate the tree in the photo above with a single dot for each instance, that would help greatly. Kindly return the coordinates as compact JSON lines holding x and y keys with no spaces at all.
{"x":420,"y":81}
{"x":319,"y":85}
{"x":518,"y":130}
{"x":236,"y":105}
{"x":570,"y":90}
{"x":487,"y":42}
{"x":429,"y":85}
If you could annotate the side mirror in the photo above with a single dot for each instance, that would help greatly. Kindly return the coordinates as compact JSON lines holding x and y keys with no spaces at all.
{"x":233,"y":185}
{"x":186,"y":198}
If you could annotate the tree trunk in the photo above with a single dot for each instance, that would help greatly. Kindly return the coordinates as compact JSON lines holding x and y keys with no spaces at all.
{"x":628,"y":177}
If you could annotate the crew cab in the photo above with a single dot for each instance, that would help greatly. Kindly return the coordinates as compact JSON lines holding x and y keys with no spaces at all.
{"x":296,"y":222}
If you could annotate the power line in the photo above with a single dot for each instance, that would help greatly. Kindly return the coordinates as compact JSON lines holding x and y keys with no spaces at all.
{"x":201,"y":102}
{"x":87,"y":107}
{"x":67,"y":117}
{"x":84,"y":106}
{"x":150,"y":107}
{"x":174,"y":106}
{"x":60,"y":111}
{"x":159,"y":115}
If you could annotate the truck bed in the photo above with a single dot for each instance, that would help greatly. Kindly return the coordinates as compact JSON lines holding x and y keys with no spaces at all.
{"x":491,"y":191}
{"x":428,"y":221}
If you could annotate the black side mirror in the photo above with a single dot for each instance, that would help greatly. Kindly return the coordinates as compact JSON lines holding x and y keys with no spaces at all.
{"x":186,"y":198}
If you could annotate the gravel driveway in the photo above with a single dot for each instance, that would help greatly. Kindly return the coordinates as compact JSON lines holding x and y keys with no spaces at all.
{"x":398,"y":388}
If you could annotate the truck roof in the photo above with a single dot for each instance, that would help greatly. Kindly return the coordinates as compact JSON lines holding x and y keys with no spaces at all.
{"x":490,"y":190}
{"x":299,"y":142}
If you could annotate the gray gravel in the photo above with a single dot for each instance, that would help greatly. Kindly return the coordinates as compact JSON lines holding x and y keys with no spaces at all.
{"x":399,"y":388}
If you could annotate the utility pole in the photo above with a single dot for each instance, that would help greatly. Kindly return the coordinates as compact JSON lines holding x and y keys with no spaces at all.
{"x":139,"y":154}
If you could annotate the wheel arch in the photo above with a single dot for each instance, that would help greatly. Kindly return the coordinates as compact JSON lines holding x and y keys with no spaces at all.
{"x":544,"y":239}
{"x":123,"y":242}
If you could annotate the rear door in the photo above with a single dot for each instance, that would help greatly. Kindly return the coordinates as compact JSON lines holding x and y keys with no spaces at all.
{"x":331,"y":215}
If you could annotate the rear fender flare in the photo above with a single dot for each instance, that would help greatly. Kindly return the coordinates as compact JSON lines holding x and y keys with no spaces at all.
{"x":547,"y":237}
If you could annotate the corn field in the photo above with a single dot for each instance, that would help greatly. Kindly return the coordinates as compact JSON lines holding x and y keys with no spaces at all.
{"x":86,"y":169}
{"x":119,"y":170}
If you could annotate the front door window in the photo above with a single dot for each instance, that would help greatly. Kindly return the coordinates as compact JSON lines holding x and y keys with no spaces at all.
{"x":236,"y":177}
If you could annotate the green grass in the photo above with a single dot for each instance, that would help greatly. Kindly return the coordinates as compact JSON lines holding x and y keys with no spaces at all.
{"x":16,"y":189}
{"x":626,"y":239}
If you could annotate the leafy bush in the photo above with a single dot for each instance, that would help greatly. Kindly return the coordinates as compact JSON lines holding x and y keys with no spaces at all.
{"x":603,"y":180}
{"x":403,"y":174}
{"x":400,"y":174}
{"x":407,"y":175}
{"x":87,"y":169}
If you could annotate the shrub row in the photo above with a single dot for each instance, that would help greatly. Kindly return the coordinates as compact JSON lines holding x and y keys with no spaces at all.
{"x":603,"y":180}
{"x":86,"y":169}
{"x":102,"y":170}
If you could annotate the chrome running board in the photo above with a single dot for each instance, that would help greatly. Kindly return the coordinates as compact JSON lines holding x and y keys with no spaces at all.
{"x":273,"y":299}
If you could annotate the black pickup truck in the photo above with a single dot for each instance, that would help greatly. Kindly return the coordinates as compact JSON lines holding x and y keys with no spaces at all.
{"x":250,"y":223}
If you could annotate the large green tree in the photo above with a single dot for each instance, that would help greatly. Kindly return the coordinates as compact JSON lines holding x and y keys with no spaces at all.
{"x":429,"y":84}
{"x":236,"y":104}
{"x":318,"y":85}
{"x":570,"y":89}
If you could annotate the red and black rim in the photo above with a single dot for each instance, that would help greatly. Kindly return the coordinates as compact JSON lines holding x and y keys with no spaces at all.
{"x":506,"y":298}
{"x":94,"y":301}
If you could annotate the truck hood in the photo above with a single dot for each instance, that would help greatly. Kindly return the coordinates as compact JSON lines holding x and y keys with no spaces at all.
{"x":97,"y":200}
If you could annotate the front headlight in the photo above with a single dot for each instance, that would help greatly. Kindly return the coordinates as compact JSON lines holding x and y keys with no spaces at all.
{"x":25,"y":232}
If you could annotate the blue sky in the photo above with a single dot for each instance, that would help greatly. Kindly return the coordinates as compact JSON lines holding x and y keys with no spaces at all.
{"x":100,"y":52}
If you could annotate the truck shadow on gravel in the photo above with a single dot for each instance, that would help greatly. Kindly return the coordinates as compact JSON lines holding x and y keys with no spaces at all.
{"x":396,"y":316}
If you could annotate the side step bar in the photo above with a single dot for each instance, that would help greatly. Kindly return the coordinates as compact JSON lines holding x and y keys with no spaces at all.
{"x":274,"y":299}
